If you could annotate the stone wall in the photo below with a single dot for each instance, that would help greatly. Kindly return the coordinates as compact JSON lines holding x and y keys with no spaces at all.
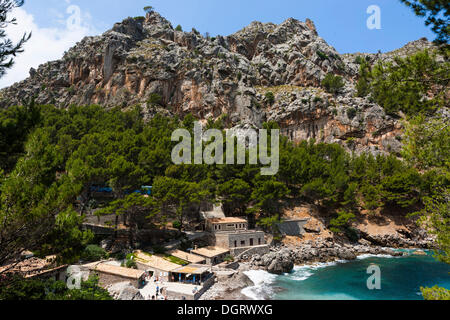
{"x":99,"y":229}
{"x":292,"y":227}
{"x":106,"y":279}
{"x":240,"y":239}
{"x":216,"y":260}
{"x":260,"y":250}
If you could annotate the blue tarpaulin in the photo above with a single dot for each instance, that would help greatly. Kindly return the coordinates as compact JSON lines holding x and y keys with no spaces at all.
{"x":144,"y":190}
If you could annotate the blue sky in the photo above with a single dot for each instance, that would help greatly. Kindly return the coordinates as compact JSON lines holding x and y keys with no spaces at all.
{"x":342,"y":23}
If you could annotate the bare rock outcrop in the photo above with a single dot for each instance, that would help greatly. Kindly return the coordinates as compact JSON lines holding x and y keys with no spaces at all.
{"x":124,"y":291}
{"x":212,"y":77}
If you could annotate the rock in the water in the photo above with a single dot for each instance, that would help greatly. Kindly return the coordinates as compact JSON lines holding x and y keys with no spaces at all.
{"x":419,"y":253}
{"x":278,"y":262}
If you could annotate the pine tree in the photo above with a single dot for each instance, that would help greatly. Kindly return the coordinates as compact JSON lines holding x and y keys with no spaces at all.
{"x":8,"y":50}
{"x":436,"y":13}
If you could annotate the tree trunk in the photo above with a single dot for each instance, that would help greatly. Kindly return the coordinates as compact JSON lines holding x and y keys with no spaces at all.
{"x":116,"y":226}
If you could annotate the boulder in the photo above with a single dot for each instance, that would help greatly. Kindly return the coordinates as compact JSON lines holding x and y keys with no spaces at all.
{"x":345,"y":254}
{"x":280,"y":266}
{"x":130,"y":293}
{"x":419,"y":253}
{"x":124,"y":291}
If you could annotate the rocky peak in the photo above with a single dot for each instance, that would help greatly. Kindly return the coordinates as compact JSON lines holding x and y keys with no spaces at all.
{"x":264,"y":35}
{"x":155,"y":19}
{"x":311,"y":26}
{"x":212,"y":77}
{"x":131,"y":27}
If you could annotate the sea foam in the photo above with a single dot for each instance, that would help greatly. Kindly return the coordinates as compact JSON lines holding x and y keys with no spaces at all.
{"x":302,"y":273}
{"x":261,"y":289}
{"x":367,"y":256}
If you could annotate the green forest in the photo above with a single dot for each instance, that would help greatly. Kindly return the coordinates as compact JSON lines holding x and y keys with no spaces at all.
{"x":50,"y":158}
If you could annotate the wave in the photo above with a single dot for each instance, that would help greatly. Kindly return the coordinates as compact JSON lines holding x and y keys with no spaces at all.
{"x":369,"y":255}
{"x":262,"y":280}
{"x":302,"y":273}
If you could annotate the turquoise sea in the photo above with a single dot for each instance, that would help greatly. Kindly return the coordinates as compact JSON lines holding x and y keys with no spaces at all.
{"x":401,"y":279}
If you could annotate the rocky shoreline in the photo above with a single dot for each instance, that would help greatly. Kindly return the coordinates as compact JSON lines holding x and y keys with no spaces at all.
{"x":281,"y":259}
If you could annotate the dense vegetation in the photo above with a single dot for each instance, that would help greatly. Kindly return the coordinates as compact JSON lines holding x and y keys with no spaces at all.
{"x":9,"y":50}
{"x":50,"y":158}
{"x":436,"y":13}
{"x":417,"y":84}
{"x":332,"y":83}
{"x":32,"y":289}
{"x":66,"y":152}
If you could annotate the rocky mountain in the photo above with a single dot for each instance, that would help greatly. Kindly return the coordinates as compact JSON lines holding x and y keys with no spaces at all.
{"x":142,"y":59}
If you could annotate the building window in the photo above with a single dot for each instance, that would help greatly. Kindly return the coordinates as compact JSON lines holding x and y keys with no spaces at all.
{"x":251,"y":242}
{"x":259,"y":241}
{"x":243,"y":243}
{"x":235,"y":244}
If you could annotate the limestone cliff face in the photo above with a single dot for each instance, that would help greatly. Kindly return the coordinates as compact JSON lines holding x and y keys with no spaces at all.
{"x":210,"y":77}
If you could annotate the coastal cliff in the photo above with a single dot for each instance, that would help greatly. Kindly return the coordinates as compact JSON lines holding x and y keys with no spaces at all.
{"x":264,"y":72}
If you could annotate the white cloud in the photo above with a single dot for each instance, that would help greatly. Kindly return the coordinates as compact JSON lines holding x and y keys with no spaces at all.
{"x":46,"y":44}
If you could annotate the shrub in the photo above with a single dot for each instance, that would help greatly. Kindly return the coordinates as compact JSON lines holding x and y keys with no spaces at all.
{"x":270,"y":97}
{"x":94,"y":253}
{"x":154,"y":99}
{"x":228,"y":258}
{"x":342,"y":221}
{"x":149,"y":9}
{"x":359,"y":60}
{"x":179,"y":28}
{"x":333,"y":84}
{"x":435,"y":293}
{"x":177,"y":224}
{"x":71,"y":90}
{"x":130,"y":262}
{"x":18,"y":288}
{"x":363,"y":84}
{"x":322,"y":55}
{"x":351,"y":113}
